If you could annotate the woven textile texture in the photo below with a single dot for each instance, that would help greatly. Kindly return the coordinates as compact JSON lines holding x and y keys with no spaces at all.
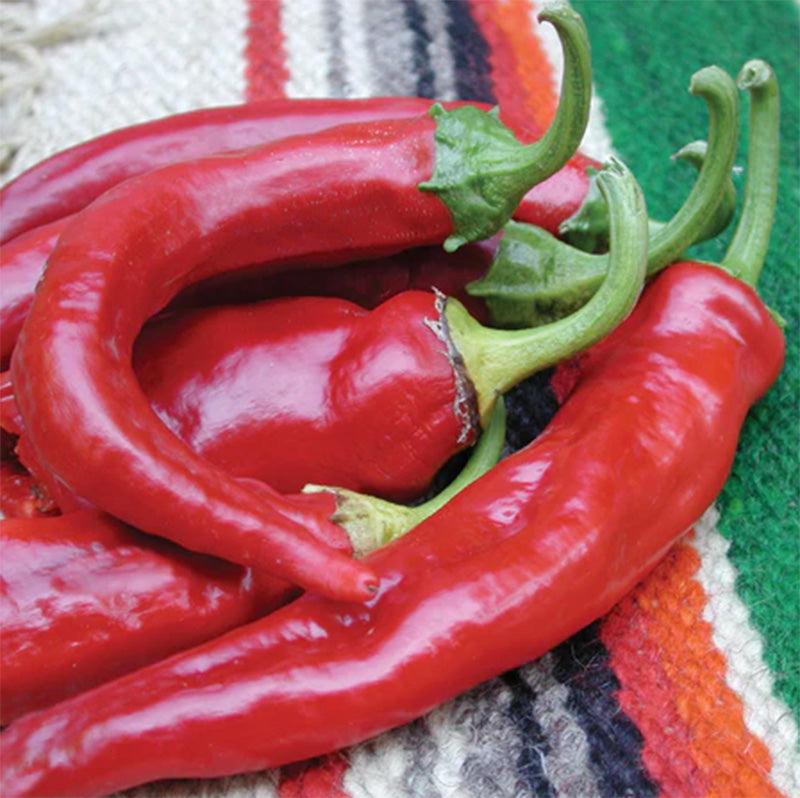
{"x":691,"y":686}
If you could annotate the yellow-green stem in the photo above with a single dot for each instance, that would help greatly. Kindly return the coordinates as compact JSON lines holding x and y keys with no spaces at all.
{"x":748,"y":248}
{"x":371,"y":522}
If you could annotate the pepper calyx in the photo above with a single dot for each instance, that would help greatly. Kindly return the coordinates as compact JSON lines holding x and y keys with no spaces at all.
{"x":371,"y":522}
{"x":481,"y":171}
{"x":481,"y":174}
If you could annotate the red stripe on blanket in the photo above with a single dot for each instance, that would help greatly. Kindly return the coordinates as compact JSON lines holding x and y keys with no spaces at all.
{"x":265,"y":56}
{"x":321,"y":778}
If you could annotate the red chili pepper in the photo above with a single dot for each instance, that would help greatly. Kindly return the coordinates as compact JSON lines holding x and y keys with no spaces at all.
{"x":346,"y":193}
{"x":84,"y":599}
{"x":365,"y":283}
{"x":22,"y":264}
{"x":203,"y":372}
{"x":50,"y":192}
{"x":70,"y":180}
{"x":542,"y":545}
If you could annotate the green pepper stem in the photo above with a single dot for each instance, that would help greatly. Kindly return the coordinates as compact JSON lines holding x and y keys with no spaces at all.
{"x":535,"y":278}
{"x":371,"y":522}
{"x":686,"y":226}
{"x":566,"y":131}
{"x":496,"y":360}
{"x":748,"y":248}
{"x":481,"y":171}
{"x":587,"y":228}
{"x":695,"y":153}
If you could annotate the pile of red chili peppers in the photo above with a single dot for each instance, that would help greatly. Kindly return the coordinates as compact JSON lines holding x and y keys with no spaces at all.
{"x":359,"y":248}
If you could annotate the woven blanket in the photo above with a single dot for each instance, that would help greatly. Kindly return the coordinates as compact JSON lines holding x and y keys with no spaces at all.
{"x":691,"y":686}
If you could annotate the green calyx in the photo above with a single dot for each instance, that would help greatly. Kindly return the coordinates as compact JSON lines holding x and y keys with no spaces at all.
{"x":495,"y":360}
{"x":587,"y":228}
{"x":371,"y":522}
{"x":748,"y":248}
{"x":481,"y":171}
{"x":536,"y":278}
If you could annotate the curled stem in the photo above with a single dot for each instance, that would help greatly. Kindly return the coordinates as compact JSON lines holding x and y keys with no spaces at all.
{"x":719,"y":92}
{"x":535,"y":278}
{"x":587,"y":228}
{"x":748,"y":248}
{"x":481,"y":171}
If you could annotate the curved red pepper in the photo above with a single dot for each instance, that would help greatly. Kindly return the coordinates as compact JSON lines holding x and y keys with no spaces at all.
{"x":84,"y":599}
{"x":203,"y":372}
{"x":300,"y":200}
{"x":542,"y":545}
{"x":183,"y":362}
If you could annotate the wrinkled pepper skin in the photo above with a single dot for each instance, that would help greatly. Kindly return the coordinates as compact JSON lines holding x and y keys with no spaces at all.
{"x":293,"y":391}
{"x":540,"y":546}
{"x":68,"y":181}
{"x":367,"y":283}
{"x":343,"y":194}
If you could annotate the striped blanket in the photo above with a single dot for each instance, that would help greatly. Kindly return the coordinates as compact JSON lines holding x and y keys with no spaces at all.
{"x":690,"y":687}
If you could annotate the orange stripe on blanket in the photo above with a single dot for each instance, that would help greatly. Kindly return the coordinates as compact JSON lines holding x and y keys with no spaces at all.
{"x":522,"y":77}
{"x":265,"y":56}
{"x":674,"y":688}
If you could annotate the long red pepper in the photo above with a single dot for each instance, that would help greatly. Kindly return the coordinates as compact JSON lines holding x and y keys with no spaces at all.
{"x":22,"y":260}
{"x":203,"y":372}
{"x":68,"y":181}
{"x":350,"y":192}
{"x":539,"y":547}
{"x":84,"y":598}
{"x":347,"y":411}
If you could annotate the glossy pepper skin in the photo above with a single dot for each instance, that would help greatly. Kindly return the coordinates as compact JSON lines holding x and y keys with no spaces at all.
{"x":367,"y":283}
{"x":186,"y":365}
{"x":68,"y":181}
{"x":84,"y":598}
{"x":345,"y":193}
{"x":204,"y":372}
{"x":21,"y":266}
{"x":546,"y":542}
{"x":22,"y":259}
{"x":317,"y":380}
{"x":187,"y":361}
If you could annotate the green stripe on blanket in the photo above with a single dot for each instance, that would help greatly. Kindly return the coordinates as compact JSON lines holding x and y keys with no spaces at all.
{"x":649,"y":116}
